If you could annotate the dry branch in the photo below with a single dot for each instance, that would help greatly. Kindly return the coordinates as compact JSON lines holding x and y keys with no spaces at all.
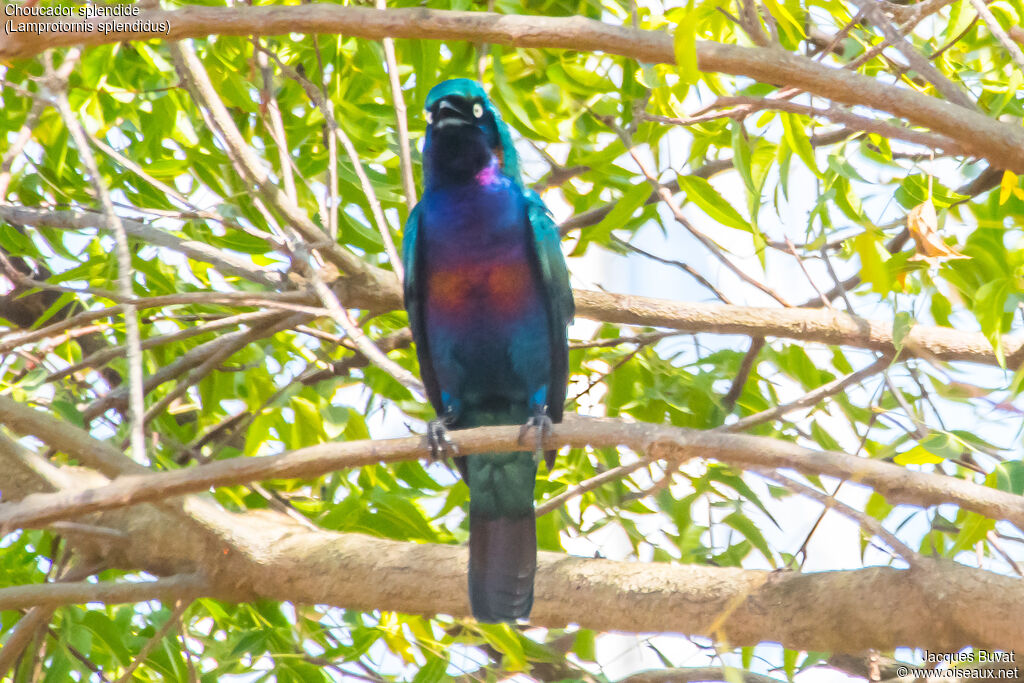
{"x":823,"y":326}
{"x":266,"y":555}
{"x":1001,"y":143}
{"x":58,"y":594}
{"x":897,"y":484}
{"x":224,"y":261}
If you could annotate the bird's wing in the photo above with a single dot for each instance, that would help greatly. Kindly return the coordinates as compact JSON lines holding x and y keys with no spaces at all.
{"x":561,"y":308}
{"x":413,"y":291}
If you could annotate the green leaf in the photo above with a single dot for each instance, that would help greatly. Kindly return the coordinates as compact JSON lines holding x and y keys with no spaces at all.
{"x":432,"y":672}
{"x":15,"y":243}
{"x":703,"y":194}
{"x":901,"y":326}
{"x":633,"y":199}
{"x":685,"y":46}
{"x":506,"y":641}
{"x":873,"y":259}
{"x":877,"y":506}
{"x":789,"y":658}
{"x":933,"y":449}
{"x":917,"y":189}
{"x":1010,"y":476}
{"x":584,"y":645}
{"x":973,"y":529}
{"x":990,"y":307}
{"x":918,"y":455}
{"x":796,"y":137}
{"x":749,"y":530}
{"x":741,"y":154}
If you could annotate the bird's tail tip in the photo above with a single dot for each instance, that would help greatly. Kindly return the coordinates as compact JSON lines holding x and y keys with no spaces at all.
{"x":502,"y":565}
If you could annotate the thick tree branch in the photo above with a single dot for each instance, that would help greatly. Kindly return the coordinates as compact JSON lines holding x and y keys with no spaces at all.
{"x":822,"y":326}
{"x":897,"y":484}
{"x":265,"y":555}
{"x":698,"y":674}
{"x":821,"y":611}
{"x":1001,"y":143}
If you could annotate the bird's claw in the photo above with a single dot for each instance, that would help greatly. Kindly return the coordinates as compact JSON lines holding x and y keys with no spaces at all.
{"x":441,"y":445}
{"x":542,"y":423}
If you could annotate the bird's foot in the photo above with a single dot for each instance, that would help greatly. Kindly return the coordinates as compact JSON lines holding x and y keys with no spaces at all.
{"x":542,"y":423}
{"x":441,"y":445}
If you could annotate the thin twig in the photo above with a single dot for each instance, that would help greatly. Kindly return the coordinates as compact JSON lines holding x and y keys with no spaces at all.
{"x":18,"y":144}
{"x":840,"y":286}
{"x":179,"y":608}
{"x":800,"y":262}
{"x":104,"y":356}
{"x":994,"y":542}
{"x":919,"y":430}
{"x":868,"y":523}
{"x":809,"y":399}
{"x":358,"y":337}
{"x":646,"y":338}
{"x":993,"y":25}
{"x":669,"y":200}
{"x":214,"y":360}
{"x":587,"y":485}
{"x":746,"y":105}
{"x":125,"y":276}
{"x":198,"y":82}
{"x":326,"y":108}
{"x":917,"y":61}
{"x":401,"y":120}
{"x":685,"y":267}
{"x":276,"y":127}
{"x":740,"y":380}
{"x":36,"y":618}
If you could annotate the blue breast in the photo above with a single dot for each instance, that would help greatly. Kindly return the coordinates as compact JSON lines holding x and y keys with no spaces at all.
{"x":483,"y":307}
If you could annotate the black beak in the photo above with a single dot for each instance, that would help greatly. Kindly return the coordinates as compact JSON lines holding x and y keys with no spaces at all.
{"x":451,"y":111}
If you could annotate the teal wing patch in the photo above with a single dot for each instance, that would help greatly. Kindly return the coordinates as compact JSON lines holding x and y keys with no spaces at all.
{"x":554,"y":273}
{"x":409,"y":261}
{"x":555,"y":280}
{"x":413,"y":294}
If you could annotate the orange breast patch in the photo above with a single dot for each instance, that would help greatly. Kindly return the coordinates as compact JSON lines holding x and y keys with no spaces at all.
{"x":502,"y":287}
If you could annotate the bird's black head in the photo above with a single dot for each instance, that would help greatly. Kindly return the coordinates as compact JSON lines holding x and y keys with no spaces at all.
{"x":462,"y":137}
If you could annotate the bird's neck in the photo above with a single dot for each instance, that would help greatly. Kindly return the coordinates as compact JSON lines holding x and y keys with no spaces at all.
{"x":453,"y":161}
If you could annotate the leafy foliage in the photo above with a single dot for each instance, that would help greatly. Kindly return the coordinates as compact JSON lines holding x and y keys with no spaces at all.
{"x":787,"y":197}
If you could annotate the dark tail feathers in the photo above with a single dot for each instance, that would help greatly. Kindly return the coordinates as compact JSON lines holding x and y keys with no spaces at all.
{"x":502,"y":562}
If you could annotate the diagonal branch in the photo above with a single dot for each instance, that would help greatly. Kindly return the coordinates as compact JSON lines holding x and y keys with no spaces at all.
{"x":992,"y":24}
{"x":1001,"y":143}
{"x":263,"y":555}
{"x":402,"y":122}
{"x":58,"y":594}
{"x":125,"y":273}
{"x":917,"y":61}
{"x":896,"y":483}
{"x":326,"y":108}
{"x":79,"y":220}
{"x":251,"y":167}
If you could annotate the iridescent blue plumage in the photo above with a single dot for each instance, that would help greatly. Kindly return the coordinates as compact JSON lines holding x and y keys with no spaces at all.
{"x":489,"y":300}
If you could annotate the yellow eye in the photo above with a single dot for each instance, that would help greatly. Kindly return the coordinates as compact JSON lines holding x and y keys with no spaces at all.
{"x":478,"y":110}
